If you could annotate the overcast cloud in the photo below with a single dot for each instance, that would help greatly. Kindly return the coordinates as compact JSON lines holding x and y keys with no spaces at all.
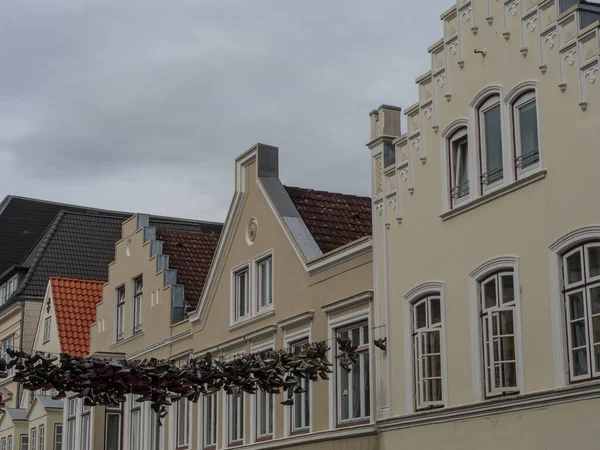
{"x":156,"y":98}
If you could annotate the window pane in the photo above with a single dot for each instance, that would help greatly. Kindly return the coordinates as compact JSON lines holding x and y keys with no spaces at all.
{"x":367,"y":384}
{"x":421,"y":315}
{"x":506,"y":322}
{"x":436,"y":312}
{"x":596,"y":329}
{"x":594,"y":261}
{"x":528,"y":134}
{"x":431,"y":342}
{"x":574,"y":271}
{"x":493,"y":144}
{"x":576,"y":305}
{"x":508,"y":288}
{"x":595,"y":300}
{"x":578,"y":336}
{"x":356,"y":392}
{"x":597,"y":356}
{"x":345,"y":394}
{"x":580,"y":362}
{"x":263,"y":285}
{"x":489,"y":294}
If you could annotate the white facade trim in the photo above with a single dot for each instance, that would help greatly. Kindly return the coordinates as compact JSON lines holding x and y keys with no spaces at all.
{"x":339,"y":256}
{"x":418,"y":292}
{"x":169,"y":341}
{"x":555,"y":252}
{"x":305,"y":317}
{"x":262,"y":333}
{"x":482,"y":271}
{"x":347,"y":303}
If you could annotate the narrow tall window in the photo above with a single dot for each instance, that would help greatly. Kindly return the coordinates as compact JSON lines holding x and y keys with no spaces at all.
{"x":113,"y":429}
{"x":24,"y":442}
{"x":427,"y":351}
{"x":138,"y":288}
{"x":3,"y":294}
{"x":6,"y":344}
{"x":459,"y":166}
{"x":210,"y":421}
{"x":265,"y":283}
{"x":236,"y":419}
{"x":120,"y":313}
{"x":3,"y":443}
{"x":300,"y":416}
{"x":527,"y":151}
{"x":86,"y":438}
{"x":41,"y":437}
{"x":353,"y":388}
{"x":490,"y":132}
{"x":264,"y":414}
{"x":33,"y":439}
{"x":9,"y":442}
{"x":242,"y":299}
{"x":497,"y":300}
{"x":47,"y":325}
{"x":136,"y":424}
{"x":58,"y":436}
{"x":156,"y":432}
{"x":71,"y":419}
{"x":183,"y":423}
{"x":581,"y":281}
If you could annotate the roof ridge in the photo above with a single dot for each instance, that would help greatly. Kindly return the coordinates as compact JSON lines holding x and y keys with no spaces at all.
{"x":77,"y":279}
{"x":43,"y":241}
{"x":328,"y":192}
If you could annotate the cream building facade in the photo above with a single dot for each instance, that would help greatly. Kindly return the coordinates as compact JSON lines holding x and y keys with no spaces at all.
{"x":487,"y":243}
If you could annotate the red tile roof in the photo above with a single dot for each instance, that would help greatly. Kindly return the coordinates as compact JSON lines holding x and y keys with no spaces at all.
{"x":75,"y":309}
{"x":334,"y":220}
{"x":191,"y":254}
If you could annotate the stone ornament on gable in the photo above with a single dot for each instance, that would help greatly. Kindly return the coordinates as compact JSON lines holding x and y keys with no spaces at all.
{"x":591,"y":74}
{"x":251,"y":231}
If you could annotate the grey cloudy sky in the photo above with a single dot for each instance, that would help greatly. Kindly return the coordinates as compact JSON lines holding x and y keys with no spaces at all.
{"x":142,"y":105}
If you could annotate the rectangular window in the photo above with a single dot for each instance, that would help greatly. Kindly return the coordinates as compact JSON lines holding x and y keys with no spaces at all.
{"x":9,"y":445}
{"x":353,"y":388}
{"x":71,"y":418}
{"x":459,"y":166}
{"x":33,"y":439}
{"x":183,"y":423}
{"x":12,"y":285}
{"x":3,"y":294}
{"x":236,"y":419}
{"x":210,"y":420}
{"x":526,"y":133}
{"x":490,"y":129}
{"x":3,"y":444}
{"x":85,"y":432}
{"x":265,"y":283}
{"x":427,"y":351}
{"x":58,"y":436}
{"x":155,"y":432}
{"x":138,"y":288}
{"x":41,"y":437}
{"x":242,"y":297}
{"x":301,"y":409}
{"x":120,"y":313}
{"x":136,"y":427}
{"x":498,"y":334}
{"x":47,"y":325}
{"x":113,"y":430}
{"x":264,"y":415}
{"x":24,"y":442}
{"x":6,"y":344}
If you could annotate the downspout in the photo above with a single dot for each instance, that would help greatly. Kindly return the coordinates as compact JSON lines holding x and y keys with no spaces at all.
{"x":21,"y":327}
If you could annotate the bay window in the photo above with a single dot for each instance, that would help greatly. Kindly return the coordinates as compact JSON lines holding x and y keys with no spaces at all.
{"x":459,"y":166}
{"x":353,"y":388}
{"x":490,"y":132}
{"x":525,"y":122}
{"x":581,"y":282}
{"x":427,"y":351}
{"x":497,"y":303}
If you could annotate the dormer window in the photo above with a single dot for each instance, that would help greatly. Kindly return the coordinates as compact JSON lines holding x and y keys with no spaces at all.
{"x":265,"y":283}
{"x":242,"y":297}
{"x":459,"y":166}
{"x":490,"y":136}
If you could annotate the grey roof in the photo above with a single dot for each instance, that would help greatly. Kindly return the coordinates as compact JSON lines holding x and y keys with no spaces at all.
{"x":17,"y":413}
{"x":49,"y":402}
{"x":24,"y":221}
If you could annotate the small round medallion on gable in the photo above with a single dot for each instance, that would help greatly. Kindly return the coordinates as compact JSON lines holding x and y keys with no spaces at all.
{"x":251,"y":231}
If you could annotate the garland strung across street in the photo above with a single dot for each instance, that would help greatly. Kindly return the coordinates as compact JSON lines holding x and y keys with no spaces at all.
{"x":106,"y":382}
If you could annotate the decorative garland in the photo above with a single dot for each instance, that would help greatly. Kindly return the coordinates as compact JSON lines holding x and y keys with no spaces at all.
{"x":106,"y":382}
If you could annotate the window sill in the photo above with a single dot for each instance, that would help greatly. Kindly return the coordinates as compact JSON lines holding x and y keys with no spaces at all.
{"x":243,"y":323}
{"x":264,"y":438}
{"x":353,"y":423}
{"x":489,"y":196}
{"x":300,"y":431}
{"x":124,"y":341}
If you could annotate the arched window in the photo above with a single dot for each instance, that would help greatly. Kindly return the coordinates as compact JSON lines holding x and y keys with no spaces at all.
{"x":458,"y":156}
{"x":490,"y":142}
{"x":525,"y":132}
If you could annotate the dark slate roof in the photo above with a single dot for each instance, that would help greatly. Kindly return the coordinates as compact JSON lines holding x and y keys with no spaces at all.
{"x":191,"y":254}
{"x":49,"y":402}
{"x":334,"y":220}
{"x":74,"y":246}
{"x":24,"y":220}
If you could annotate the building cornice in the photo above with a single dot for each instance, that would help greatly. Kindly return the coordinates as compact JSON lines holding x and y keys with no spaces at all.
{"x":347,"y":303}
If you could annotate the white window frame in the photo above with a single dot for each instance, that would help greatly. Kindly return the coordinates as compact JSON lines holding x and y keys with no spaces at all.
{"x":524,"y":100}
{"x":3,"y":443}
{"x":71,"y":411}
{"x":120,"y":301}
{"x":13,"y":283}
{"x":58,"y":436}
{"x":47,"y":328}
{"x":301,"y":399}
{"x":239,"y":424}
{"x":154,"y":429}
{"x":24,"y":442}
{"x":86,"y":427}
{"x":493,"y":101}
{"x":259,"y":263}
{"x":235,"y":274}
{"x":3,"y":294}
{"x":209,"y":424}
{"x":183,"y":410}
{"x":33,"y":438}
{"x":41,"y":437}
{"x":416,"y":295}
{"x":137,"y":304}
{"x":460,"y":135}
{"x":117,"y":412}
{"x":135,"y":420}
{"x":8,"y":342}
{"x":481,"y":273}
{"x":9,"y":442}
